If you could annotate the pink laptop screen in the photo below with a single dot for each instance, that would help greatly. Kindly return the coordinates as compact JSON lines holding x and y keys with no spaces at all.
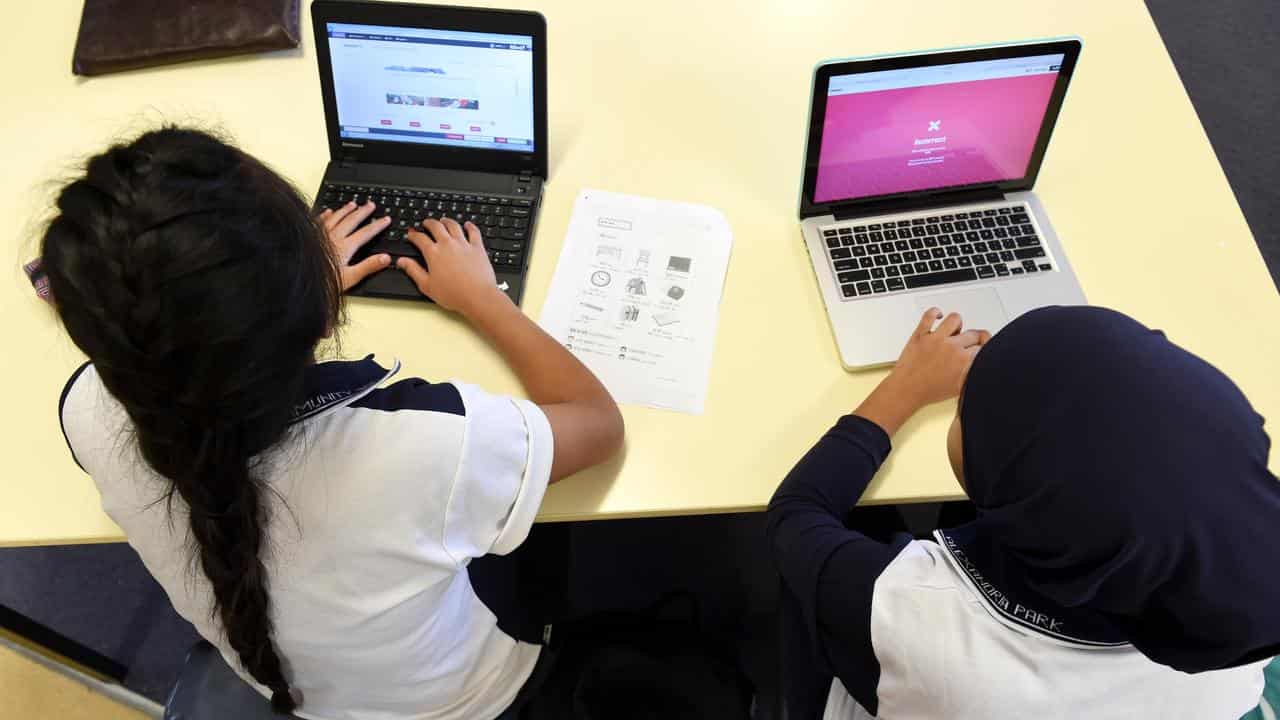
{"x":897,"y":131}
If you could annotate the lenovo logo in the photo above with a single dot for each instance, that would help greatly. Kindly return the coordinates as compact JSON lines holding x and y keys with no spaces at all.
{"x":352,"y":145}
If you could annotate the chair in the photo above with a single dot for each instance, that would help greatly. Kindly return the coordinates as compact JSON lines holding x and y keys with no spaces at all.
{"x":208,"y":689}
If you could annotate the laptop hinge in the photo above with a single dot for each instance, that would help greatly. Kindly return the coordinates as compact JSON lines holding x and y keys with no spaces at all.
{"x":939,"y":200}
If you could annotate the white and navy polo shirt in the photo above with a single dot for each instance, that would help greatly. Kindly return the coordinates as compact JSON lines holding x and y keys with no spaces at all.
{"x":382,"y":496}
{"x":911,"y":629}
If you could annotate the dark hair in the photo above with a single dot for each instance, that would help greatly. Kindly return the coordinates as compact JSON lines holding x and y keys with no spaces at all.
{"x":199,"y":285}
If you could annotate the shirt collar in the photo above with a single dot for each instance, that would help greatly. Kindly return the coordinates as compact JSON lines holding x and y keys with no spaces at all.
{"x":1015,"y":604}
{"x":337,"y":383}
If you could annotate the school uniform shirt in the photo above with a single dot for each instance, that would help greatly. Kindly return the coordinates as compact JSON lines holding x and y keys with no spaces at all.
{"x":911,"y":629}
{"x":380,"y":496}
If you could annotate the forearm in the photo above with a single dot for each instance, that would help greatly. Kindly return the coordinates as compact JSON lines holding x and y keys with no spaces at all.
{"x":890,"y":404}
{"x":549,"y":373}
{"x":585,"y":422}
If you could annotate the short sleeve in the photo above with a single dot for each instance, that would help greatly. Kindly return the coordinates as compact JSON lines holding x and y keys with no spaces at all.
{"x":503,"y":471}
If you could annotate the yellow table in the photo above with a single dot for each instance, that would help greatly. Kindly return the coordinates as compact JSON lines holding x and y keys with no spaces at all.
{"x":698,"y":101}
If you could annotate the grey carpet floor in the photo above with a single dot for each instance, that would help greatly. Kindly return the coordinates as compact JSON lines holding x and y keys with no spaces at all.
{"x":1228,"y":55}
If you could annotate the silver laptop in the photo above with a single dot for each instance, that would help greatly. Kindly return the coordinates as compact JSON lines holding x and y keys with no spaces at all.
{"x":917,"y":190}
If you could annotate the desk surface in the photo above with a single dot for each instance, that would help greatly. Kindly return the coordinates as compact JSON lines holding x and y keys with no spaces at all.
{"x":696,"y":101}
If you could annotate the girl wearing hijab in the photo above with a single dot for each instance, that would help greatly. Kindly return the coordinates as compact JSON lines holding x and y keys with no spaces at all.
{"x":1120,"y":563}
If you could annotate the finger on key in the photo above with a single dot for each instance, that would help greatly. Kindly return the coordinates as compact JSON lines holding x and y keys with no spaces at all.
{"x":455,"y":230}
{"x":334,"y":217}
{"x":436,"y":229}
{"x":366,"y":233}
{"x":473,"y":234}
{"x":354,"y":218}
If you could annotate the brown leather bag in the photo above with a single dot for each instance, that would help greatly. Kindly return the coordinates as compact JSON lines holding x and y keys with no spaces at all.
{"x":120,"y":35}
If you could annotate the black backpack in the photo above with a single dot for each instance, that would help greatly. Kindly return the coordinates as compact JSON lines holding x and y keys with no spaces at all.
{"x":657,"y":664}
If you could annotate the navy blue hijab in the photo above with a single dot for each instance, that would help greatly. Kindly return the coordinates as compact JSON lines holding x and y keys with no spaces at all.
{"x":1122,"y":492}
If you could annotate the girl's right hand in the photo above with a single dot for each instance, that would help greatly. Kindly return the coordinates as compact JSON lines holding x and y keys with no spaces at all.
{"x":458,"y":275}
{"x":935,"y":361}
{"x":931,"y":368}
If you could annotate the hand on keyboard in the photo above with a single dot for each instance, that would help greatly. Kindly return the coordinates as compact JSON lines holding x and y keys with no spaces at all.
{"x":460,"y":276}
{"x":342,"y":227}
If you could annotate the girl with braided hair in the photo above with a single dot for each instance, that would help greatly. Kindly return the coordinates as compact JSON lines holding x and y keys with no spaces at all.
{"x":313,"y":524}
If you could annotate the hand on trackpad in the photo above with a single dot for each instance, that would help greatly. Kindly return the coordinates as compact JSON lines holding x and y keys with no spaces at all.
{"x":979,"y":309}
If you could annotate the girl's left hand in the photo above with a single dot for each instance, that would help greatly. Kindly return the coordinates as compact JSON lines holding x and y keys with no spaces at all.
{"x":340,"y":227}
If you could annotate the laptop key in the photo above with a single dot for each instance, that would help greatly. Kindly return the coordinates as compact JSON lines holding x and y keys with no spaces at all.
{"x":844,"y":231}
{"x":865,"y":262}
{"x":1001,"y":270}
{"x":985,"y":271}
{"x":932,"y":229}
{"x":864,"y":288}
{"x":891,"y":235}
{"x":993,"y":258}
{"x":988,"y":222}
{"x":1024,"y":253}
{"x":828,"y":233}
{"x":853,"y":276}
{"x":972,"y":236}
{"x":908,"y":269}
{"x":859,"y":228}
{"x":1044,"y":267}
{"x":939,"y":278}
{"x":842,"y":265}
{"x":964,"y":261}
{"x":1004,"y":211}
{"x":891,"y":271}
{"x":902,"y":246}
{"x":862,"y":238}
{"x":1020,"y":219}
{"x":877,"y":286}
{"x":950,"y":264}
{"x":1008,"y":243}
{"x":849,"y":290}
{"x":895,"y":258}
{"x":839,"y":253}
{"x":894,"y":284}
{"x":877,"y":273}
{"x":939,"y":253}
{"x":935,"y":265}
{"x":916,"y":243}
{"x":1016,"y":271}
{"x":979,"y":259}
{"x":1028,"y":241}
{"x":922,"y":267}
{"x":1006,"y":255}
{"x":1030,"y":266}
{"x":881,"y":260}
{"x":918,"y":230}
{"x":989,"y":212}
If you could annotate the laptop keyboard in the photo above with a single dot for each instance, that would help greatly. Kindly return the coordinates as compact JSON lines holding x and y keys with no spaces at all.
{"x":504,"y":222}
{"x":901,"y":253}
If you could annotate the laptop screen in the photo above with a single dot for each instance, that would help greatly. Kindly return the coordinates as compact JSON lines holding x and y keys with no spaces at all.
{"x":927,"y":128}
{"x":441,"y":87}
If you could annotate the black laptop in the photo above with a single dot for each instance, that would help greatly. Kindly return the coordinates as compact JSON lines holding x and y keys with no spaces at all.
{"x":435,"y":112}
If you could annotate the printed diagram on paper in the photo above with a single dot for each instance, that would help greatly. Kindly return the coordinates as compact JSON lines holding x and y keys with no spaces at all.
{"x":636,"y":295}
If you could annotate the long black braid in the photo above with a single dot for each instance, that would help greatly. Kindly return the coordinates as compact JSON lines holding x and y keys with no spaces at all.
{"x":197,"y":283}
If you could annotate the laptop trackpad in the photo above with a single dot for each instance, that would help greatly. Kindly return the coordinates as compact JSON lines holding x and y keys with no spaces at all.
{"x":979,"y":309}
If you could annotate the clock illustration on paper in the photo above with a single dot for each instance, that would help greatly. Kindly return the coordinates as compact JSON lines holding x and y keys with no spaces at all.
{"x":601,"y":278}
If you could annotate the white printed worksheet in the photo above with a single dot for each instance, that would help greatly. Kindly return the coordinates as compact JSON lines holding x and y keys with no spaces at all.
{"x":636,"y":296}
